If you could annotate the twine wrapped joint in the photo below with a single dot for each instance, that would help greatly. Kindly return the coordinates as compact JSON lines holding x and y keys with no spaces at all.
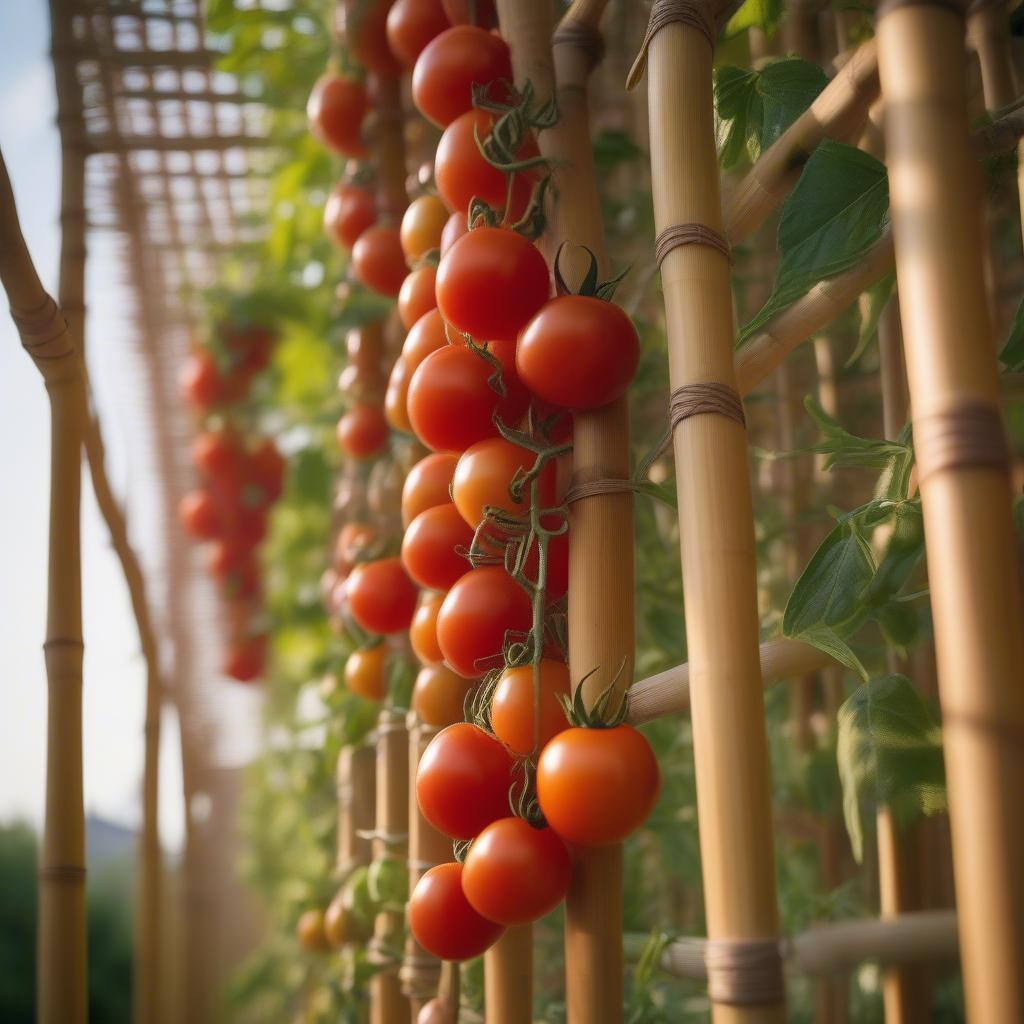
{"x":584,"y":37}
{"x":689,"y":234}
{"x":967,"y":433}
{"x":745,"y":972}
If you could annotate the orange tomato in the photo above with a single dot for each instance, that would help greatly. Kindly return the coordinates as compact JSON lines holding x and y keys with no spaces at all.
{"x":416,"y":297}
{"x":365,"y":672}
{"x":439,"y":695}
{"x":427,"y":484}
{"x":512,"y":706}
{"x":423,"y":631}
{"x":422,"y":224}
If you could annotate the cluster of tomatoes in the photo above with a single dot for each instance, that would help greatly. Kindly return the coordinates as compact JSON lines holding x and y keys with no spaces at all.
{"x":491,"y":369}
{"x":240,"y":477}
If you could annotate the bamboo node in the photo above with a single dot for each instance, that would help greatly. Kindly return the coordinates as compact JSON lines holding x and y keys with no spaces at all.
{"x":62,"y":873}
{"x":689,"y":234}
{"x":888,"y":6}
{"x":693,"y":13}
{"x":584,"y":37}
{"x":745,"y":972}
{"x":967,"y":433}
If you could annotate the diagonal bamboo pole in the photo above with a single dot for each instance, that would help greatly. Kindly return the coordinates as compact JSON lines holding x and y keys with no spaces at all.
{"x":61,"y":978}
{"x":965,"y":491}
{"x":716,"y":528}
{"x":601,"y":618}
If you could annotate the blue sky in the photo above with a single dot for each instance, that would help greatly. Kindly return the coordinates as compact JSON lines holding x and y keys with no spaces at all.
{"x":114,"y":676}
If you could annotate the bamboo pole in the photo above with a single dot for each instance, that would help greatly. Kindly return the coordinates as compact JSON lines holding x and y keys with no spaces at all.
{"x":355,"y":787}
{"x":508,"y":977}
{"x":49,"y":339}
{"x":421,"y":972}
{"x":716,"y":527}
{"x":925,"y":937}
{"x":601,"y":617}
{"x":838,"y":113}
{"x":668,"y":692}
{"x":387,"y":1003}
{"x":965,"y":492}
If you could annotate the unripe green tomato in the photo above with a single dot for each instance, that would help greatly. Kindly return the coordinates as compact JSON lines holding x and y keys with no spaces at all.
{"x":388,"y":881}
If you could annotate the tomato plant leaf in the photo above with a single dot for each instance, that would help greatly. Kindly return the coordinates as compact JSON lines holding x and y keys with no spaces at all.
{"x":1012,"y":354}
{"x":755,"y":107}
{"x":835,"y":213}
{"x":763,"y":14}
{"x":825,"y":606}
{"x":889,"y":752}
{"x":848,"y":451}
{"x":878,"y":296}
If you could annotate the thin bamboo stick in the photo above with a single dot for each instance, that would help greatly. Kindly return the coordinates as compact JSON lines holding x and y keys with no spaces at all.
{"x":387,"y":1003}
{"x":838,"y":113}
{"x":61,"y":977}
{"x":925,"y":937}
{"x":716,"y":517}
{"x":421,"y":972}
{"x":668,"y":692}
{"x":975,"y":591}
{"x":355,"y":777}
{"x":601,"y":620}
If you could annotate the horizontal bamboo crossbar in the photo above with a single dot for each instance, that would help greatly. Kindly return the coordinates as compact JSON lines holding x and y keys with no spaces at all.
{"x":922,"y":937}
{"x":668,"y":692}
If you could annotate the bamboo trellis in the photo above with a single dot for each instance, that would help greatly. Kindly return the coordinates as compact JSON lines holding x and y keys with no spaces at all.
{"x":166,"y":147}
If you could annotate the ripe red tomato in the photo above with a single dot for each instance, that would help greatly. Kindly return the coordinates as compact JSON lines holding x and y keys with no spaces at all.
{"x":198,"y":514}
{"x":427,"y":485}
{"x":453,"y":230}
{"x":246,"y":657}
{"x":203,"y":386}
{"x":367,"y":36}
{"x":244,"y":581}
{"x":490,"y":284}
{"x":422,"y":225}
{"x":475,"y":615}
{"x":411,"y":25}
{"x":381,"y":596}
{"x":596,"y":786}
{"x":442,"y":920}
{"x":515,"y":873}
{"x":451,"y":403}
{"x":425,"y":336}
{"x":484,"y":473}
{"x":463,"y":780}
{"x":218,"y":453}
{"x":250,"y":526}
{"x":578,"y":352}
{"x":335,"y":110}
{"x":365,"y":672}
{"x":423,"y":631}
{"x":362,"y":431}
{"x":224,"y":557}
{"x":483,"y":12}
{"x":266,"y":470}
{"x":248,"y":345}
{"x":512,"y":705}
{"x":449,"y":66}
{"x":416,"y":296}
{"x":439,"y":695}
{"x":378,"y":261}
{"x":429,"y":547}
{"x":349,"y":211}
{"x":462,"y":173}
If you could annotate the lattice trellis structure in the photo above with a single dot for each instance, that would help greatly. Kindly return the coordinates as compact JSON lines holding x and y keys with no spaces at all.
{"x":174,"y":151}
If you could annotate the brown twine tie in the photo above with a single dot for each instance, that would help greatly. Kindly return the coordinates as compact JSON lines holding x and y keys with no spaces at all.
{"x":745,"y":972}
{"x":689,"y":234}
{"x":967,"y":433}
{"x":692,"y":13}
{"x":689,"y":400}
{"x":885,"y":7}
{"x":584,"y":37}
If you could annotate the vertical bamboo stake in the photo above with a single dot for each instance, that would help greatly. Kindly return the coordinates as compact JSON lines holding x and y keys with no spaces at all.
{"x":356,"y":807}
{"x":716,"y":527}
{"x":965,"y":491}
{"x":421,"y":972}
{"x":387,"y":1004}
{"x":61,"y":980}
{"x":508,"y":977}
{"x":601,"y":618}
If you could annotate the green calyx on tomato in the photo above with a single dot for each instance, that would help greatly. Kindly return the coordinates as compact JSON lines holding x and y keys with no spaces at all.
{"x":590,"y":285}
{"x":598,"y":716}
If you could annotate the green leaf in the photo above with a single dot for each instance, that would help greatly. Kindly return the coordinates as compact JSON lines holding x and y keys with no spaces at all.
{"x":763,"y":14}
{"x":903,"y":551}
{"x":837,"y":211}
{"x":889,"y":753}
{"x":848,"y":451}
{"x":1012,"y":354}
{"x":826,"y":605}
{"x":755,"y":107}
{"x":878,"y":296}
